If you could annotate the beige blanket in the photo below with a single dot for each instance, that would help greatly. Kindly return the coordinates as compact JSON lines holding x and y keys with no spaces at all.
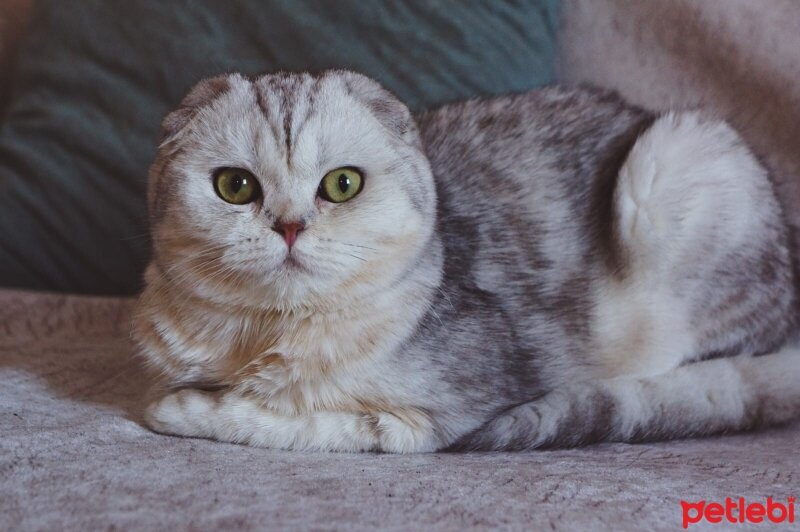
{"x":74,"y":456}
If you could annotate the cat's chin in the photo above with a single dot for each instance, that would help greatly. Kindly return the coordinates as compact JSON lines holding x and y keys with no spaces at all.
{"x":292,"y":264}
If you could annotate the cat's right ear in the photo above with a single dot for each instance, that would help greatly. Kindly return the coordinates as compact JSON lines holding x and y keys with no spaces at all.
{"x":201,"y":95}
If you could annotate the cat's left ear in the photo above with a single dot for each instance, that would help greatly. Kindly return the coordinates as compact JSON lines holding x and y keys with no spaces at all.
{"x":201,"y":95}
{"x":386,"y":107}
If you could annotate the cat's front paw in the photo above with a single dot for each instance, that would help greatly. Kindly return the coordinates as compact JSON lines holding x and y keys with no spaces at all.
{"x":183,"y":413}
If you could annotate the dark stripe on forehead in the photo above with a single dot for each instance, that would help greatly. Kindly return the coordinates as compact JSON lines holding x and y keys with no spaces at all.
{"x":263,"y":105}
{"x":311,"y":97}
{"x":283,"y":87}
{"x":287,"y":128}
{"x":287,"y":90}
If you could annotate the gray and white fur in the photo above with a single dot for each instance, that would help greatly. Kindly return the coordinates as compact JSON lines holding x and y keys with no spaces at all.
{"x":547,"y":269}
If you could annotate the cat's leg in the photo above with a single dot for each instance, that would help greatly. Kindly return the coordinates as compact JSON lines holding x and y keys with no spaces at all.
{"x":690,"y":189}
{"x":703,"y":264}
{"x":703,"y":268}
{"x":232,"y":417}
{"x":698,"y":399}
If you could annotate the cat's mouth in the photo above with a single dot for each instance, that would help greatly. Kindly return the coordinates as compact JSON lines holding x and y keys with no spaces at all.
{"x":291,"y":262}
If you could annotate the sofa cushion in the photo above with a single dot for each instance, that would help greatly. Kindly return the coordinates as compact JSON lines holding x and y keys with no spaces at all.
{"x":94,"y":79}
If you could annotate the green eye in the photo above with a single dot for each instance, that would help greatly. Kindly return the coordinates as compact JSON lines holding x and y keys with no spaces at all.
{"x":341,"y":184}
{"x":236,"y":186}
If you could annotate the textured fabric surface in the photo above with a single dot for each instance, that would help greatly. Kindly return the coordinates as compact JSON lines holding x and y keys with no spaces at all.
{"x":95,"y":77}
{"x":74,"y":457}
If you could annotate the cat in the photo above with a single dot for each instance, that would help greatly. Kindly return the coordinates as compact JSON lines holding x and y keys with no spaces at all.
{"x":547,"y":269}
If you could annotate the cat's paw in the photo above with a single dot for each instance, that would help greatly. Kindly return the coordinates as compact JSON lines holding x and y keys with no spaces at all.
{"x":183,"y":413}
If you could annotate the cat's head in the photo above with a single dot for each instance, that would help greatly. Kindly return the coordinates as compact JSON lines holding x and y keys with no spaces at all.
{"x":289,"y":190}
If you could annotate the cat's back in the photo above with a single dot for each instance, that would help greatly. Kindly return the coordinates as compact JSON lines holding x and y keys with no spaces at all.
{"x":525,"y":186}
{"x":551,"y":142}
{"x":526,"y":180}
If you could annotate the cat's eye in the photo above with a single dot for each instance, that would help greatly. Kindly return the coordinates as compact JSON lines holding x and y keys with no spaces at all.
{"x":341,"y":184}
{"x":236,"y":186}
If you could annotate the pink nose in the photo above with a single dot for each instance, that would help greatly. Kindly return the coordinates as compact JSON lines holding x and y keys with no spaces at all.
{"x":289,"y":231}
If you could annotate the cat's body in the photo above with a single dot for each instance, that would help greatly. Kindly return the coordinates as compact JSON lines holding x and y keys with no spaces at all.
{"x":554,"y":283}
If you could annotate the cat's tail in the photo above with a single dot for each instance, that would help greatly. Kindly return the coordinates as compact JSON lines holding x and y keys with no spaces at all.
{"x":698,"y":399}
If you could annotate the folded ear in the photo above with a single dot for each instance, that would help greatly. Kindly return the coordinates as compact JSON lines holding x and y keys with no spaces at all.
{"x":201,"y":95}
{"x":386,"y":107}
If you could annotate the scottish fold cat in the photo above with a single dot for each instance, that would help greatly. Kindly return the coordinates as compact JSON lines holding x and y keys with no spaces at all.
{"x":546,"y":269}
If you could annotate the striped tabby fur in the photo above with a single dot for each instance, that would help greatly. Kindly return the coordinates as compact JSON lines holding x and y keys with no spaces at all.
{"x":546,"y":269}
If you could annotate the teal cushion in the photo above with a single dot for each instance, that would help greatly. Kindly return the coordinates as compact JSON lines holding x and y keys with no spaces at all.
{"x":95,"y":77}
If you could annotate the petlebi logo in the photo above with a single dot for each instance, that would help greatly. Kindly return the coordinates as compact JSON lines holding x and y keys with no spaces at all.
{"x":738,"y":511}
